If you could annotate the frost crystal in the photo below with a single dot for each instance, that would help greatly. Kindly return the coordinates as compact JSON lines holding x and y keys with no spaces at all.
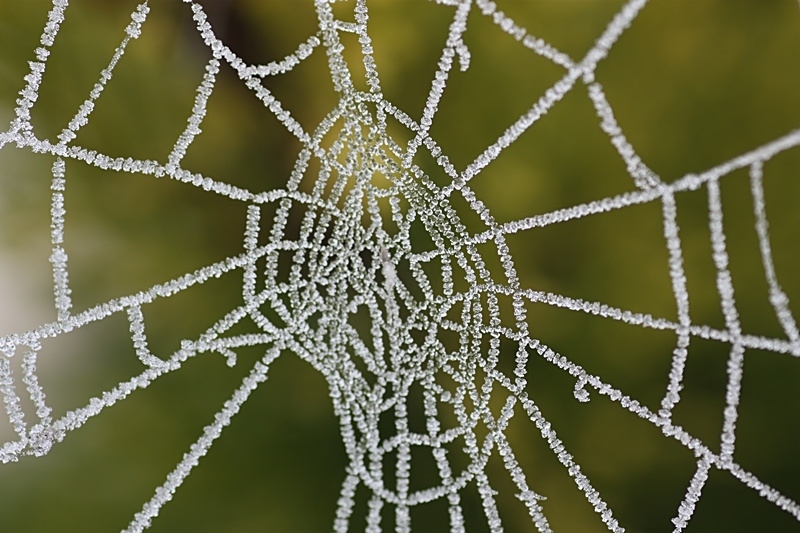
{"x":356,"y":253}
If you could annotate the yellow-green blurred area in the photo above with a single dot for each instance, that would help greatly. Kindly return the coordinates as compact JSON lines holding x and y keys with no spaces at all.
{"x":692,"y":84}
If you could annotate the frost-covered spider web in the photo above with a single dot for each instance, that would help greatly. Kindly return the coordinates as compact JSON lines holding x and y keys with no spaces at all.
{"x":393,"y":292}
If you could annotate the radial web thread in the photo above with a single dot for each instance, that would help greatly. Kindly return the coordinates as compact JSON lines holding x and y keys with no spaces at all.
{"x":355,"y":253}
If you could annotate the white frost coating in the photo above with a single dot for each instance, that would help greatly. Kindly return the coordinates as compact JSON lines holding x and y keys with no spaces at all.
{"x":539,"y":46}
{"x":140,"y":339}
{"x":643,"y":176}
{"x":34,"y":389}
{"x":10,"y":398}
{"x":198,"y":114}
{"x":81,"y":118}
{"x":164,"y":493}
{"x":777,"y":297}
{"x":686,"y":508}
{"x":58,"y":258}
{"x":553,"y":95}
{"x":288,"y":63}
{"x":725,"y":288}
{"x":450,"y":345}
{"x":678,"y":276}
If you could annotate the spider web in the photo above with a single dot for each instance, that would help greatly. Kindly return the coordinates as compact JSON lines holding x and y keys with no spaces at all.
{"x":437,"y":316}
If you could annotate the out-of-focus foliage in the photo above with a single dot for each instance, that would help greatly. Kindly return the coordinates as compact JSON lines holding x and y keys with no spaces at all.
{"x":692,"y":84}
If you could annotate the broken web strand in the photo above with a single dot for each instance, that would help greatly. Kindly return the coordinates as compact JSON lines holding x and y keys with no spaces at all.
{"x":668,"y":428}
{"x":682,"y":297}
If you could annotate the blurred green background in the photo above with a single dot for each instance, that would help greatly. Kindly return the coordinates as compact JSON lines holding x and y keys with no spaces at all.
{"x":692,"y":84}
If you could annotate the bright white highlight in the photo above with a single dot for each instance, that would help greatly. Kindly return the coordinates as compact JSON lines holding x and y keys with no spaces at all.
{"x":345,"y":260}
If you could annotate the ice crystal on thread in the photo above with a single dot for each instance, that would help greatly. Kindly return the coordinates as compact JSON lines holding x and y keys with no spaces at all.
{"x":349,"y":258}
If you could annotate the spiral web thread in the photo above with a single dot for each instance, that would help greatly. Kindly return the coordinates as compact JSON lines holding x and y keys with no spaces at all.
{"x":348,"y":259}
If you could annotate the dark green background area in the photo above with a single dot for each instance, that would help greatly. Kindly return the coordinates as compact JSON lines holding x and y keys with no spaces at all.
{"x":692,"y":84}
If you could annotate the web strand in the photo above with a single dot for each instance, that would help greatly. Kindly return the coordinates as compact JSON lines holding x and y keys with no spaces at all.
{"x":332,"y":273}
